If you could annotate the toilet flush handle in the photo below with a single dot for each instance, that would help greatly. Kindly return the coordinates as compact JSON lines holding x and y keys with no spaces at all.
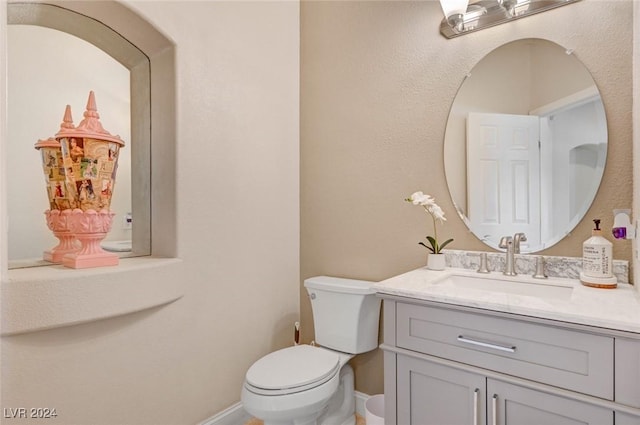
{"x":312,"y":295}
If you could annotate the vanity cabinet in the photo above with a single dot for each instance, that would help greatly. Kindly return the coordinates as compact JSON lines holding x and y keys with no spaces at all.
{"x":452,"y":365}
{"x":432,"y":393}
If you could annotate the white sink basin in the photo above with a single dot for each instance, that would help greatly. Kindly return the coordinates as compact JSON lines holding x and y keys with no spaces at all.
{"x":517,"y":285}
{"x":117,"y":246}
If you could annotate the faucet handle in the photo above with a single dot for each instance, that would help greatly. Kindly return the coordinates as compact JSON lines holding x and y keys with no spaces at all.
{"x":517,"y":238}
{"x":505,"y":241}
{"x":521,"y":237}
{"x":484,"y":268}
{"x":540,"y":273}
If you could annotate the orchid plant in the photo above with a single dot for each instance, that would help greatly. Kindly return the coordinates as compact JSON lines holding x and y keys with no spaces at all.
{"x":436,"y":213}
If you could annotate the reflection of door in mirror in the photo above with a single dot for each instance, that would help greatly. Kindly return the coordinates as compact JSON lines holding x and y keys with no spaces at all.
{"x":541,"y":80}
{"x":503,"y":176}
{"x":48,"y":69}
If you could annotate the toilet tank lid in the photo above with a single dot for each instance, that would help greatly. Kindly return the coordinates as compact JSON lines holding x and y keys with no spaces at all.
{"x":338,"y":284}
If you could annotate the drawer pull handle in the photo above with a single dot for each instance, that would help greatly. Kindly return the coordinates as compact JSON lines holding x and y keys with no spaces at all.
{"x":494,"y":403}
{"x":510,"y":349}
{"x":476,"y":400}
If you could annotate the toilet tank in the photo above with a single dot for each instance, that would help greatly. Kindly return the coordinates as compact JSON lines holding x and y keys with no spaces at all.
{"x":346,"y":313}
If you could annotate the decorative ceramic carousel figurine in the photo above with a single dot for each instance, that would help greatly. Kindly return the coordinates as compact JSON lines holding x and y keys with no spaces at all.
{"x":90,"y":161}
{"x":57,"y":215}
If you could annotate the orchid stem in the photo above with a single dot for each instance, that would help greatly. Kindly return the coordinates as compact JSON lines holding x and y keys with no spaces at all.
{"x":435,"y":234}
{"x":435,"y":230}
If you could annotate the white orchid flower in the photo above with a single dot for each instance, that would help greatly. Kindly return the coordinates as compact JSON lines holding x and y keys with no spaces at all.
{"x":419,"y":198}
{"x":436,"y":213}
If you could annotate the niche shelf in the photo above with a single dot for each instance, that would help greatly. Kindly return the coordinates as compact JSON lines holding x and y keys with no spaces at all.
{"x":40,"y":298}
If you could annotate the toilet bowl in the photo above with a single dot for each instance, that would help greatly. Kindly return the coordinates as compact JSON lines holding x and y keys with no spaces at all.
{"x":314,"y":385}
{"x":295,"y":382}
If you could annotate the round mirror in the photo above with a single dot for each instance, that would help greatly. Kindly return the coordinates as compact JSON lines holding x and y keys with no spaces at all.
{"x":525,"y":144}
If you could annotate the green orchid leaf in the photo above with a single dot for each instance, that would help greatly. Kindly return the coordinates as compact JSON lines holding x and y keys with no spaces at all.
{"x":434,"y":244}
{"x":445,"y":243}
{"x":428,"y":247}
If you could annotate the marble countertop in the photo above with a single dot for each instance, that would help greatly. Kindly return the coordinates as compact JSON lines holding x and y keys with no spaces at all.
{"x":617,"y":309}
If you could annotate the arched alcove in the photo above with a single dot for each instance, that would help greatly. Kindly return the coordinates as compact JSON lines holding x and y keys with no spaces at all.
{"x":150,"y":57}
{"x":144,"y":51}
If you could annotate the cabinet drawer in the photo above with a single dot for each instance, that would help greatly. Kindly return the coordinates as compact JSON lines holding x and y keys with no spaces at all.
{"x":564,"y":358}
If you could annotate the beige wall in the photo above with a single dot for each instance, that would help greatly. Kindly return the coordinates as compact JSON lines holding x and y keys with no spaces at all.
{"x":237,"y":149}
{"x":636,"y":129}
{"x":377,"y":83}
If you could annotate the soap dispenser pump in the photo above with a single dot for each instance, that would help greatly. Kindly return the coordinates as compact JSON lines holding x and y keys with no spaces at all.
{"x":597,"y":260}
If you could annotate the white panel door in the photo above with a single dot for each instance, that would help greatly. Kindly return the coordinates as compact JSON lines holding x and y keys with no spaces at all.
{"x":503,"y":176}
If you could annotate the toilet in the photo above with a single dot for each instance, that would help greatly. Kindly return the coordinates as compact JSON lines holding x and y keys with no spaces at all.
{"x":314,"y":384}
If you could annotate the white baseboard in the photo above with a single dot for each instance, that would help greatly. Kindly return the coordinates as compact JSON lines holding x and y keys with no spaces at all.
{"x":236,"y":415}
{"x":232,"y":415}
{"x":360,"y":399}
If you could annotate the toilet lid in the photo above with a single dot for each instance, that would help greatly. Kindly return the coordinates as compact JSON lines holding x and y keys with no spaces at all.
{"x":293,"y":367}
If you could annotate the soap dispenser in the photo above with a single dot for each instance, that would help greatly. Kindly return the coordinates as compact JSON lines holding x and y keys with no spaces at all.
{"x":597,"y":260}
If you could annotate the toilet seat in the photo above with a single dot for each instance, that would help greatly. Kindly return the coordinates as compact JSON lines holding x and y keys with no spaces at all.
{"x":291,"y":370}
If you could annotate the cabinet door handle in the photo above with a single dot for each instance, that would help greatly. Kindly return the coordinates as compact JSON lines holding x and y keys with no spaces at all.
{"x":466,"y":340}
{"x":476,"y":400}
{"x":494,"y":402}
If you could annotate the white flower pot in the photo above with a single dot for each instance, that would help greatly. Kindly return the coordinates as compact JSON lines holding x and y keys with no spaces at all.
{"x":436,"y":261}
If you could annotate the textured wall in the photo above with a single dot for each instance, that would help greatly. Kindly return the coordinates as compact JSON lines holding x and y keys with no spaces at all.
{"x":636,"y":129}
{"x":237,"y":147}
{"x":377,"y":83}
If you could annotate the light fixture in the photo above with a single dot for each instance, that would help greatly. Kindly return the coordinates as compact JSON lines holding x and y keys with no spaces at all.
{"x":454,"y":11}
{"x":462,"y":18}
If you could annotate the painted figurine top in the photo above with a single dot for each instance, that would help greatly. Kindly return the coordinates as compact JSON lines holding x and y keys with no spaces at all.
{"x":82,"y":173}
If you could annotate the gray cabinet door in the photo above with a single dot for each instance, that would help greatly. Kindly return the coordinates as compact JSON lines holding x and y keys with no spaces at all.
{"x":628,"y":372}
{"x":510,"y":404}
{"x":627,"y":419}
{"x":432,"y":394}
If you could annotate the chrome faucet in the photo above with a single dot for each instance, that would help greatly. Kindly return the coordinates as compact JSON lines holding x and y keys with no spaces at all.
{"x":512,"y":246}
{"x":506,"y":242}
{"x":517,"y":238}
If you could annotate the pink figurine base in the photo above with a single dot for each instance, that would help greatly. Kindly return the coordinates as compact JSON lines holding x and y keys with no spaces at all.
{"x":57,"y":221}
{"x":90,"y":228}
